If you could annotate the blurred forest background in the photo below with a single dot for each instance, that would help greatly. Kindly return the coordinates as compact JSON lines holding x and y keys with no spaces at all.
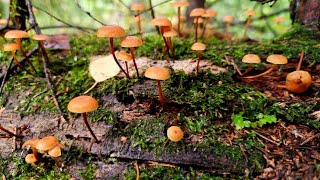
{"x":117,"y":12}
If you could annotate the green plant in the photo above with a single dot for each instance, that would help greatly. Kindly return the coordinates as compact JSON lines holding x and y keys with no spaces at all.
{"x":263,"y":119}
{"x":89,"y":172}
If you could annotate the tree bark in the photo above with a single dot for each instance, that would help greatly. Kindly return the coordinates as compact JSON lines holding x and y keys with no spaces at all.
{"x":306,"y":12}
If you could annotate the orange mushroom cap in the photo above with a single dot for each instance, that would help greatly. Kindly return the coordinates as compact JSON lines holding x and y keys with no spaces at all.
{"x":170,"y":33}
{"x":298,"y":81}
{"x":83,"y":104}
{"x":277,"y":59}
{"x":157,"y":73}
{"x":197,"y":12}
{"x":41,"y":37}
{"x":228,"y":19}
{"x":122,"y":55}
{"x":13,"y":34}
{"x":250,"y":12}
{"x":11,"y":47}
{"x":131,"y":41}
{"x":161,"y":21}
{"x":251,"y":58}
{"x":180,"y":3}
{"x":31,"y":142}
{"x":47,"y":143}
{"x":175,"y":133}
{"x":209,"y":13}
{"x":55,"y":152}
{"x":279,"y":19}
{"x":198,"y":46}
{"x":137,"y":7}
{"x":30,"y":158}
{"x":111,"y":31}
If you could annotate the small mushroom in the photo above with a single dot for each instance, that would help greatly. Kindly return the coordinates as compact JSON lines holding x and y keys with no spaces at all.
{"x":13,"y":47}
{"x":122,"y":55}
{"x":199,"y":47}
{"x":83,"y":105}
{"x":168,"y":35}
{"x":275,"y":59}
{"x":41,"y":38}
{"x":278,"y":20}
{"x":18,"y":35}
{"x":113,"y":31}
{"x":228,"y":20}
{"x":197,"y":13}
{"x":180,"y":4}
{"x":249,"y":13}
{"x":31,"y":159}
{"x":138,"y":7}
{"x":159,"y":74}
{"x":162,"y":23}
{"x":175,"y":133}
{"x":209,"y":13}
{"x":131,"y":42}
{"x":47,"y":143}
{"x":251,"y":59}
{"x":33,"y":144}
{"x":55,"y":153}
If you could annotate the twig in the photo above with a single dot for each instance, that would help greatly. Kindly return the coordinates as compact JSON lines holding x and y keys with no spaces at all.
{"x":264,"y":16}
{"x":5,"y":76}
{"x":124,"y":4}
{"x":265,"y":138}
{"x":152,"y":7}
{"x":45,"y":59}
{"x":309,"y":139}
{"x":152,"y":163}
{"x":66,"y":26}
{"x":9,"y":132}
{"x":300,"y":60}
{"x":88,"y":13}
{"x":243,"y":152}
{"x":136,"y":166}
{"x":60,"y":20}
{"x":233,"y":64}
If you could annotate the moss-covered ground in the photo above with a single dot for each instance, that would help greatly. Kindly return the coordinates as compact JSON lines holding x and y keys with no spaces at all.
{"x":205,"y":105}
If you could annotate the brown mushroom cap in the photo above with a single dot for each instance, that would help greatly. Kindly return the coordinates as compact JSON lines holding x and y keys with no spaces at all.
{"x":279,"y":19}
{"x":251,"y":58}
{"x":277,"y":59}
{"x":122,"y":55}
{"x":11,"y":47}
{"x":16,"y":34}
{"x":47,"y":143}
{"x":30,"y":158}
{"x":111,"y":31}
{"x":298,"y":81}
{"x":183,"y":18}
{"x":161,"y":21}
{"x":157,"y":73}
{"x":228,"y":19}
{"x":197,"y":12}
{"x":83,"y":104}
{"x":131,"y":41}
{"x":250,"y":12}
{"x":209,"y":13}
{"x":55,"y":152}
{"x":41,"y":37}
{"x":137,"y":7}
{"x":198,"y":46}
{"x":180,"y":3}
{"x":170,"y":33}
{"x":31,"y":142}
{"x":175,"y":133}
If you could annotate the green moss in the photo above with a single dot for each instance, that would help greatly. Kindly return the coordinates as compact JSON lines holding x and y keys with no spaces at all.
{"x":89,"y":173}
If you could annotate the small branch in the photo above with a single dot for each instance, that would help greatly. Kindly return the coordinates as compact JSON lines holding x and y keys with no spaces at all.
{"x":9,"y":132}
{"x":124,"y":4}
{"x":265,"y":138}
{"x":264,"y":16}
{"x":66,"y":26}
{"x":5,"y":76}
{"x":309,"y":139}
{"x":152,"y":7}
{"x":88,"y":13}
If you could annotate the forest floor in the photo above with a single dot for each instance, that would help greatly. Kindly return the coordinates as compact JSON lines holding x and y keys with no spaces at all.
{"x":234,"y":128}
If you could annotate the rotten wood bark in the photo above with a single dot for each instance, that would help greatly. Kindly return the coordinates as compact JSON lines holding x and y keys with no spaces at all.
{"x":306,"y":12}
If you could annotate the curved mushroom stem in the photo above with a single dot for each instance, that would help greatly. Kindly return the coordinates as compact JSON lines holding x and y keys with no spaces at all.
{"x":196,"y":29}
{"x":165,"y":41}
{"x":35,"y":153}
{"x":9,"y":132}
{"x":247,"y":26}
{"x":171,"y":46}
{"x":85,"y":119}
{"x":199,"y":58}
{"x":160,"y":93}
{"x":262,"y":74}
{"x":205,"y":27}
{"x":127,"y":68}
{"x":115,"y":58}
{"x":18,"y":63}
{"x":134,"y":61}
{"x":179,"y":12}
{"x":56,"y":160}
{"x":247,"y":70}
{"x":300,"y":61}
{"x":24,"y":54}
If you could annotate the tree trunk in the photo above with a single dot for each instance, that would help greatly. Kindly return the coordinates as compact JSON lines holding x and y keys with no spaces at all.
{"x":306,"y":12}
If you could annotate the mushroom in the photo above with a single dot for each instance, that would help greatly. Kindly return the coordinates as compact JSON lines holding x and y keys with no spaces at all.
{"x":198,"y":47}
{"x":55,"y":153}
{"x":228,"y":20}
{"x":31,"y":159}
{"x":182,"y":19}
{"x":251,"y":59}
{"x":175,"y":133}
{"x":197,"y":13}
{"x":138,"y":7}
{"x":278,"y":20}
{"x":162,"y":23}
{"x":209,"y":13}
{"x":249,"y":13}
{"x":122,"y":55}
{"x":40,"y":38}
{"x":159,"y":74}
{"x":112,"y":31}
{"x":47,"y":143}
{"x":275,"y":59}
{"x":179,"y":4}
{"x":13,"y":47}
{"x":18,"y":35}
{"x":83,"y":105}
{"x":168,"y":36}
{"x":132,"y":42}
{"x":298,"y":81}
{"x":33,"y":144}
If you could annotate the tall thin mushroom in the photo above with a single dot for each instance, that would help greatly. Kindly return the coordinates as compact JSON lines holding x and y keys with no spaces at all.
{"x":197,"y":13}
{"x":137,"y":8}
{"x":180,"y":4}
{"x":113,"y":31}
{"x":122,"y":55}
{"x":251,"y":59}
{"x":228,"y":20}
{"x":209,"y":13}
{"x":199,"y":47}
{"x":168,"y":35}
{"x":131,"y":42}
{"x":249,"y":13}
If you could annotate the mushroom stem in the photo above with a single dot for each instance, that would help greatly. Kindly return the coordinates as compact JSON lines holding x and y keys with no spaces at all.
{"x":165,"y":42}
{"x":127,"y":68}
{"x":196,"y":29}
{"x":115,"y":58}
{"x":18,"y":63}
{"x":139,"y":22}
{"x":171,"y":46}
{"x":35,"y":153}
{"x":160,"y":93}
{"x":247,"y":70}
{"x":25,"y":55}
{"x":94,"y":85}
{"x":227,"y":29}
{"x":134,"y":61}
{"x":56,"y":160}
{"x":9,"y":132}
{"x":199,"y":58}
{"x":300,"y":61}
{"x":85,"y":119}
{"x":262,"y":74}
{"x":247,"y":26}
{"x":179,"y":12}
{"x":205,"y":27}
